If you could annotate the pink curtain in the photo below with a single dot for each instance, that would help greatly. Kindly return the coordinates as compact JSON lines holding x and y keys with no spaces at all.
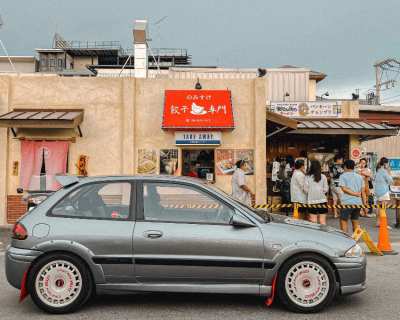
{"x":31,"y":162}
{"x":55,"y":158}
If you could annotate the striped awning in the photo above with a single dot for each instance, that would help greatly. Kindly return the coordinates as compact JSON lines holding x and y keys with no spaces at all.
{"x":343,"y":126}
{"x":42,"y":119}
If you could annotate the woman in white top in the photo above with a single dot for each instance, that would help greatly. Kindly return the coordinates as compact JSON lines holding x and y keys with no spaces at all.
{"x":240,"y":191}
{"x":316,"y":187}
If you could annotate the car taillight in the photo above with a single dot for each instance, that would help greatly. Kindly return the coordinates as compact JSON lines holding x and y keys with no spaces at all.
{"x":19,"y":232}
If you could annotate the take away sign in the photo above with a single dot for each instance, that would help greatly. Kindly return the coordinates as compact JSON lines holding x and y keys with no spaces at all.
{"x":198,"y":109}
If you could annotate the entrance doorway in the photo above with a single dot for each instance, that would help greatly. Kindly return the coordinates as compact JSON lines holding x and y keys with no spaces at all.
{"x":197,"y":162}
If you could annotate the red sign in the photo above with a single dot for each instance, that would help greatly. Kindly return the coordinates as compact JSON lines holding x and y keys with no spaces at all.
{"x":356,"y":153}
{"x":194,"y":109}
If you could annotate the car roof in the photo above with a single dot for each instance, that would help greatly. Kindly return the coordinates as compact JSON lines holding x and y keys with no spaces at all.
{"x":142,"y":177}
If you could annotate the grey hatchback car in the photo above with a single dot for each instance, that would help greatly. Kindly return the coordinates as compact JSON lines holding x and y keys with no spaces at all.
{"x":169,"y":234}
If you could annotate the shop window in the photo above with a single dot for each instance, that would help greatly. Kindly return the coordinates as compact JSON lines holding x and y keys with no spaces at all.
{"x":197,"y":163}
{"x":181,"y":203}
{"x":96,"y":201}
{"x":52,"y":63}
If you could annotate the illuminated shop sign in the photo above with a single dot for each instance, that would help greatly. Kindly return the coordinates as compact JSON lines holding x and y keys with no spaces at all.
{"x":195,"y":109}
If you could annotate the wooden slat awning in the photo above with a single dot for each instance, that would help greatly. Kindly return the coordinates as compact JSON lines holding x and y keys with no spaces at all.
{"x":281,"y":120}
{"x":42,"y":119}
{"x":344,"y":126}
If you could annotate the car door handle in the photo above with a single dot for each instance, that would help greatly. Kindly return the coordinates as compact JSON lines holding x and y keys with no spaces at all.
{"x":153,"y":234}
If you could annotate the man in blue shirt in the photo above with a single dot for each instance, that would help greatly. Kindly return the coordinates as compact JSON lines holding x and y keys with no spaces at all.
{"x":352,"y":185}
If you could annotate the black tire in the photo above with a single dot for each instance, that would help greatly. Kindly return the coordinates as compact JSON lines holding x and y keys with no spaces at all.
{"x":85,"y":288}
{"x":287,"y":296}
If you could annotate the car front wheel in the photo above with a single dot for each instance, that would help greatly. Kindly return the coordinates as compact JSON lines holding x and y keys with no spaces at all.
{"x":59,"y":283}
{"x":306,"y":283}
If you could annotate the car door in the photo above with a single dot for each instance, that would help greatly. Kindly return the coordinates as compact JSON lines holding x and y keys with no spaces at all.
{"x":183,"y":235}
{"x":99,"y":216}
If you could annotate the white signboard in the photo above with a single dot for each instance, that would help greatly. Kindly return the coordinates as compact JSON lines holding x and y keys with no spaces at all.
{"x":312,"y":109}
{"x":198,"y":137}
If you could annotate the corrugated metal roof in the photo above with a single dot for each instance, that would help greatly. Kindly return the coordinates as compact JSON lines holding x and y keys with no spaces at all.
{"x":42,"y":118}
{"x":342,"y":124}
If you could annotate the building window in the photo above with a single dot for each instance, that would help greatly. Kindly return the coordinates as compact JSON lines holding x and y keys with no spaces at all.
{"x":52,"y":63}
{"x":60,"y":64}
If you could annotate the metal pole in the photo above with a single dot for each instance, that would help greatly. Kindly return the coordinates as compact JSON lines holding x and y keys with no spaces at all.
{"x":377,"y":84}
{"x":9,"y":59}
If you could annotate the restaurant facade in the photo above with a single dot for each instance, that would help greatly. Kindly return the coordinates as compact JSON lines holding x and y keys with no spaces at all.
{"x":123,"y":126}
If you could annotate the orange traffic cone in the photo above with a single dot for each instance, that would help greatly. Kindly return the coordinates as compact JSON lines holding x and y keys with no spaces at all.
{"x":296,"y":212}
{"x":384,"y":244}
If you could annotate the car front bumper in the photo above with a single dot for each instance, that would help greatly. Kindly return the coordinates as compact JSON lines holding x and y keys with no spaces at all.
{"x":352,"y":273}
{"x":17,"y":262}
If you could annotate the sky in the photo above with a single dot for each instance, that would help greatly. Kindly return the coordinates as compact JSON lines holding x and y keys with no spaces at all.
{"x":342,"y":38}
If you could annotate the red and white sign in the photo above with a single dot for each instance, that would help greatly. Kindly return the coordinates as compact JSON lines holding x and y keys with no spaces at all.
{"x":356,"y":153}
{"x":194,"y":109}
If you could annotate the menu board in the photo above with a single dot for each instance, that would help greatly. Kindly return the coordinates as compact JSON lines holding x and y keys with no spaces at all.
{"x":147,"y":161}
{"x":227,"y":158}
{"x":168,"y":161}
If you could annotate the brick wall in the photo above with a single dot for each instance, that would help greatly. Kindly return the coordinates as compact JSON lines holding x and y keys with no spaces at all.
{"x":15,"y":208}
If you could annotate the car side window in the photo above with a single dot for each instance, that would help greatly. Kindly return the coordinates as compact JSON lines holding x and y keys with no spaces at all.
{"x":96,"y":201}
{"x":171,"y":202}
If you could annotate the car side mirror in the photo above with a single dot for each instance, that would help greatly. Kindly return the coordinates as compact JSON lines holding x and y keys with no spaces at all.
{"x":241,"y":222}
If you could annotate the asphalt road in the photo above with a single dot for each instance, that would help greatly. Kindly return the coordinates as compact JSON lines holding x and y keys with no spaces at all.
{"x":379,"y":301}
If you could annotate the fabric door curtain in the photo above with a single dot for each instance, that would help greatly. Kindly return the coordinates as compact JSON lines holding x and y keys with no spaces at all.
{"x":33,"y":153}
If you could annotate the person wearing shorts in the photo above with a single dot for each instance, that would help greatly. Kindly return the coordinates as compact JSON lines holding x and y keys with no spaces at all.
{"x":316,"y":187}
{"x":335,"y":170}
{"x":352,"y":185}
{"x":383,"y":180}
{"x":297,"y":194}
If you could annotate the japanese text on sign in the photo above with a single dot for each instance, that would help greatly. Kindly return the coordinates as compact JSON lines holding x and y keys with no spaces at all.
{"x":198,"y":109}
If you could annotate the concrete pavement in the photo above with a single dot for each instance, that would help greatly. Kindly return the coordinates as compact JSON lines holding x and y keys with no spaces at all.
{"x":379,"y":301}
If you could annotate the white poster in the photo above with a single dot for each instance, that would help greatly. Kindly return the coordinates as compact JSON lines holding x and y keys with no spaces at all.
{"x":314,"y":109}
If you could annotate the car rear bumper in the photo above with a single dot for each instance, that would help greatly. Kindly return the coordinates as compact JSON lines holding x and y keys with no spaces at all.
{"x":17,"y":262}
{"x":352,"y":275}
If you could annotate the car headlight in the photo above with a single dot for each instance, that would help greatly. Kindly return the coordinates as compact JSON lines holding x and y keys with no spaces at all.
{"x":354,"y":252}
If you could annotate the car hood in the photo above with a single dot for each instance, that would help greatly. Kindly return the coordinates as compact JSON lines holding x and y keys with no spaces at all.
{"x":307,"y":225}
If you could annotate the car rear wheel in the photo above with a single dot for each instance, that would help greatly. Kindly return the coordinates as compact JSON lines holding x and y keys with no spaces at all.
{"x":306,"y":283}
{"x":59,"y":283}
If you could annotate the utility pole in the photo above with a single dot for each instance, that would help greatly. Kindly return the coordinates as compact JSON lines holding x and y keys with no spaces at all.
{"x":386,"y":66}
{"x":378,"y":78}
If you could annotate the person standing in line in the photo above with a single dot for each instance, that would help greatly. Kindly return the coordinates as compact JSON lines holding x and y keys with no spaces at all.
{"x":240,"y":191}
{"x":316,"y":187}
{"x":335,"y":170}
{"x":382,"y":182}
{"x":297,"y":192}
{"x":365,"y":173}
{"x":352,"y":185}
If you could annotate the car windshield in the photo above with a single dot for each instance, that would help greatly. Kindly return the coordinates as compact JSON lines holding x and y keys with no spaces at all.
{"x":258,"y":214}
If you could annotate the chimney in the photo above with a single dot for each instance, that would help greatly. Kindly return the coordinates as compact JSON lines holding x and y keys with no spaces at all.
{"x":140,"y":48}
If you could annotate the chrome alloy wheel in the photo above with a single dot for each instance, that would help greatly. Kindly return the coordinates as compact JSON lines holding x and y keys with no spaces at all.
{"x":307,"y":284}
{"x":58,"y":283}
